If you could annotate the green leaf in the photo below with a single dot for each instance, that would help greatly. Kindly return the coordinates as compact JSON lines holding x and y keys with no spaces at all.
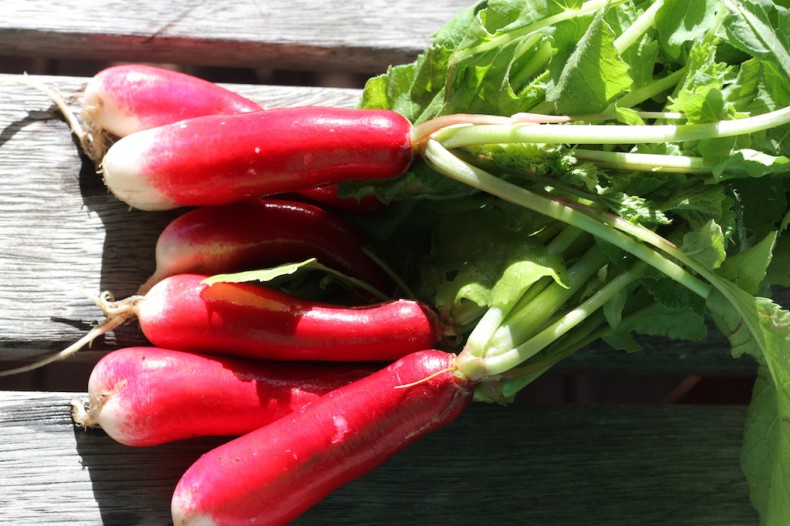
{"x":522,"y":274}
{"x":635,"y":209}
{"x":765,"y":456}
{"x":628,"y":116}
{"x":410,"y":89}
{"x":779,"y":270}
{"x":671,"y":295}
{"x":727,"y":161}
{"x":760,"y":328}
{"x":706,"y":245}
{"x":747,"y":268}
{"x":593,"y":76}
{"x":697,"y":204}
{"x":763,"y":205}
{"x":267,"y":274}
{"x":762,"y":29}
{"x":287,"y":269}
{"x":681,"y":22}
{"x":657,"y":320}
{"x":700,"y":97}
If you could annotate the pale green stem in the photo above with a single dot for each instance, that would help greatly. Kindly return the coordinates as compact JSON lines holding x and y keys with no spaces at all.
{"x":638,"y":28}
{"x":492,"y":319}
{"x":538,"y":60}
{"x":446,"y":163}
{"x":645,"y":162}
{"x":648,"y":91}
{"x":529,"y":319}
{"x":500,"y":363}
{"x":461,"y":136}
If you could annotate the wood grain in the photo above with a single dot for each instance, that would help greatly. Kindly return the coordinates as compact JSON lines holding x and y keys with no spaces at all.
{"x":524,"y":464}
{"x":358,"y":36}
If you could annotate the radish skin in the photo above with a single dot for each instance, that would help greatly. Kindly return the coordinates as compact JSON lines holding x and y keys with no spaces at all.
{"x":145,"y":396}
{"x":242,"y":319}
{"x":328,"y":195}
{"x":128,"y":98}
{"x":221,"y":159}
{"x":121,"y":100}
{"x":274,"y":474}
{"x":259,"y":234}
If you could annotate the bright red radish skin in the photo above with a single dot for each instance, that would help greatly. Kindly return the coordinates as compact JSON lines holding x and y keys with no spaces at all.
{"x":128,"y":98}
{"x":124,"y":99}
{"x":274,"y":474}
{"x":221,"y":159}
{"x":183,"y":313}
{"x":145,"y":396}
{"x":258,"y":234}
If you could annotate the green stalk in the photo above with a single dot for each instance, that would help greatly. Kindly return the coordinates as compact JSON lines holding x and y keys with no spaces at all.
{"x":459,"y":137}
{"x":638,"y":28}
{"x":493,"y":365}
{"x":492,"y":319}
{"x":537,"y":62}
{"x":645,"y":162}
{"x":648,"y":91}
{"x":444,"y":162}
{"x":520,"y":377}
{"x":529,"y":319}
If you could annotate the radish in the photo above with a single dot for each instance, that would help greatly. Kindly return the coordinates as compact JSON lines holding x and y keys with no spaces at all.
{"x":257,"y":234}
{"x":182,"y":312}
{"x":328,"y":195}
{"x":124,"y":99}
{"x":144,"y":396}
{"x":220,"y":159}
{"x":272,"y":475}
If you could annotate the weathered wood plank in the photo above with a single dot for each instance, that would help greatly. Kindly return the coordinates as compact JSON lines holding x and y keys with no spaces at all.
{"x":558,"y":465}
{"x":312,"y":36}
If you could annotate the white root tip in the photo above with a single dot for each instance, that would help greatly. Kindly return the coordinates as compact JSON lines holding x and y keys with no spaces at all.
{"x":95,"y":141}
{"x":81,"y":414}
{"x":93,"y":149}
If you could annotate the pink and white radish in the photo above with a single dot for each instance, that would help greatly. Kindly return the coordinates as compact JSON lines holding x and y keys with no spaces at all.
{"x":182,"y":312}
{"x":124,"y":99}
{"x":144,"y":396}
{"x":220,"y":159}
{"x":272,"y":475}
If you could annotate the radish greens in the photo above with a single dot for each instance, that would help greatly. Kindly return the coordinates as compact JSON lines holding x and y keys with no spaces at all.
{"x":634,"y":181}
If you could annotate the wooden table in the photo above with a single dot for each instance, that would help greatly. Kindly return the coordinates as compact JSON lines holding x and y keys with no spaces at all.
{"x":64,"y":239}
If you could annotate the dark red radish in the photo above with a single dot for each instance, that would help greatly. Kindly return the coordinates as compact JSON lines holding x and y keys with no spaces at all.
{"x":328,"y":195}
{"x":124,"y":99}
{"x":258,"y":234}
{"x":272,"y":475}
{"x":243,"y":319}
{"x":144,"y":396}
{"x":221,"y":159}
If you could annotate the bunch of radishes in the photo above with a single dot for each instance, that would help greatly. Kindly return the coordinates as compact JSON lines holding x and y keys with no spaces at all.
{"x":222,"y":361}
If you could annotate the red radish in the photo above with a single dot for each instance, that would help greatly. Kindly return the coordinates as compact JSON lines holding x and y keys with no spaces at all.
{"x":124,"y":99}
{"x":327,"y":195}
{"x":272,"y":475}
{"x":181,"y":312}
{"x":258,"y":234}
{"x":144,"y":396}
{"x":221,"y":159}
